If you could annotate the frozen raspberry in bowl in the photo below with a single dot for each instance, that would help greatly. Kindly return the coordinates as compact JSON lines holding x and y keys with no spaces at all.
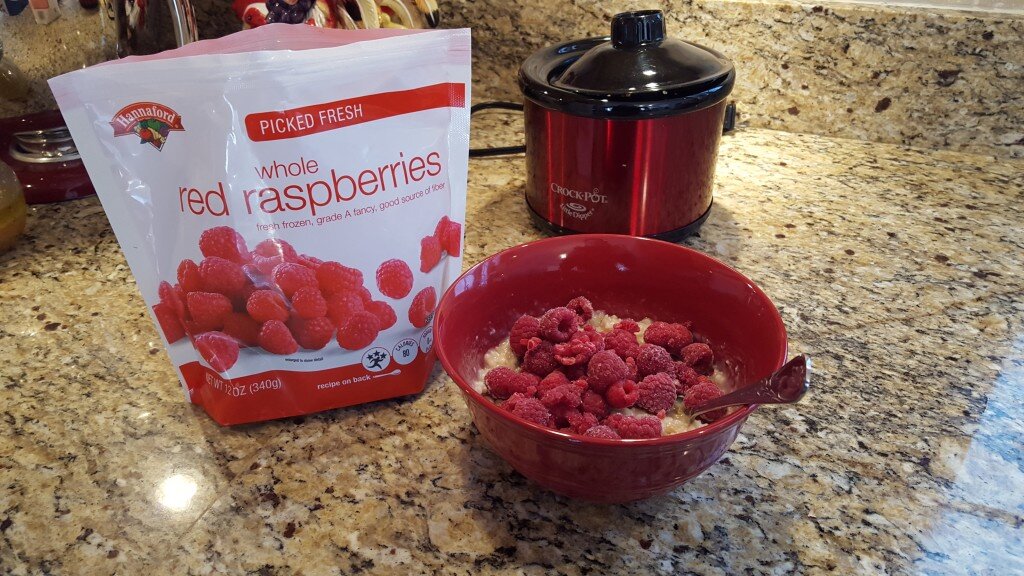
{"x":567,"y":434}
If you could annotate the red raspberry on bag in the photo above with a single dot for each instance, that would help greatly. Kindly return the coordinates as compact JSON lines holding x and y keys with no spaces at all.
{"x":224,"y":242}
{"x":422,"y":307}
{"x":311,"y":333}
{"x":309,"y":261}
{"x":364,"y":295}
{"x":384,"y":312}
{"x":699,"y":357}
{"x":442,"y":225}
{"x":289,"y":277}
{"x":622,"y":394}
{"x":275,"y":338}
{"x":503,"y":382}
{"x":623,"y":342}
{"x":702,"y":392}
{"x":334,"y":278}
{"x":671,"y":337}
{"x":238,"y":301}
{"x":594,"y":403}
{"x":531,"y":410}
{"x":169,"y":322}
{"x":168,"y":295}
{"x":449,"y":233}
{"x":605,"y":369}
{"x":208,"y":310}
{"x":274,"y":247}
{"x":218,"y":349}
{"x":602,"y":431}
{"x":242,"y":328}
{"x":394,"y":279}
{"x":632,"y":427}
{"x":358,"y":331}
{"x":181,"y":294}
{"x":653,"y":359}
{"x":451,"y":239}
{"x":430,"y":253}
{"x":582,"y":307}
{"x":222,"y":276}
{"x":266,"y":264}
{"x":580,"y":348}
{"x":342,"y":305}
{"x":308,"y":302}
{"x":525,"y":327}
{"x":559,"y":324}
{"x":188,"y":276}
{"x":686,"y":377}
{"x":267,"y":305}
{"x":657,"y":393}
{"x":539,"y":358}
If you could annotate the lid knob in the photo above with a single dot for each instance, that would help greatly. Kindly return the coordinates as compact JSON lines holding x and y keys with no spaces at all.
{"x":632,"y":29}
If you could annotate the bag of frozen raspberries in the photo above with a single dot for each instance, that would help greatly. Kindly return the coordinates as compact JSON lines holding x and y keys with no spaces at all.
{"x":290,"y":200}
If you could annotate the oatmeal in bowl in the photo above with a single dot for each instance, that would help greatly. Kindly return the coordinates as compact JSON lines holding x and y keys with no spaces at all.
{"x":584,"y":371}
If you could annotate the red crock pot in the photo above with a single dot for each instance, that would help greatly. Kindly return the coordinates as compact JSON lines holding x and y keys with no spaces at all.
{"x":622,"y":132}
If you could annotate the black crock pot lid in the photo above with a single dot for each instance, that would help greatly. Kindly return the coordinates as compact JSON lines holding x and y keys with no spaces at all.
{"x":634,"y":73}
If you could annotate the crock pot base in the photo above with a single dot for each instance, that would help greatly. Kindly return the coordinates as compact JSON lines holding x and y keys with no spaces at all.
{"x":675,"y":235}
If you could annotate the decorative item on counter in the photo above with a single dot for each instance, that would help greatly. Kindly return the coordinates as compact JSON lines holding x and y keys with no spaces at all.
{"x":622,"y":132}
{"x":13,"y":211}
{"x":346,"y":14}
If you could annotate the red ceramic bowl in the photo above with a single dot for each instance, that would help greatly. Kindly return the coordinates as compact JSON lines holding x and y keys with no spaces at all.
{"x":626,"y":276}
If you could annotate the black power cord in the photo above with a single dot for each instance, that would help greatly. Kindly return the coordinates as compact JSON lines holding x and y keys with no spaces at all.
{"x":499,"y":150}
{"x":728,"y":126}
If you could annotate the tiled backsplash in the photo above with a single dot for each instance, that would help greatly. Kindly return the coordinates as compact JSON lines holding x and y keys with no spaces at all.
{"x":930,"y":78}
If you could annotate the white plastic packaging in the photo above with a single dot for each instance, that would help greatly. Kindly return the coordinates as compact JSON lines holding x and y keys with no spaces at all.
{"x":290,"y":200}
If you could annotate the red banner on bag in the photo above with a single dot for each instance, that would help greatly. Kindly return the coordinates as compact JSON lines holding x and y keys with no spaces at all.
{"x":284,"y":393}
{"x":284,"y":124}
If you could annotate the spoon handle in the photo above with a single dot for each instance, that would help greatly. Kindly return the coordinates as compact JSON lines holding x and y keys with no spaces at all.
{"x":785,"y":386}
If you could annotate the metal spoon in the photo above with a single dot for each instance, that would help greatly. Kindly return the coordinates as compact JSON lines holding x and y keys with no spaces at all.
{"x":786,"y":386}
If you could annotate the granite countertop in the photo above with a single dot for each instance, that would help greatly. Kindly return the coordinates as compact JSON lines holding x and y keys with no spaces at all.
{"x":900,"y":271}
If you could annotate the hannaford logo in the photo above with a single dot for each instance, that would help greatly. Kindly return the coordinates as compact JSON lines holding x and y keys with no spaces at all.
{"x":150,"y":121}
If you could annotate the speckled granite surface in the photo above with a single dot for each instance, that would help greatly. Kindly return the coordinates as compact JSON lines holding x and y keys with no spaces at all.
{"x":942,"y":79}
{"x":899,"y":270}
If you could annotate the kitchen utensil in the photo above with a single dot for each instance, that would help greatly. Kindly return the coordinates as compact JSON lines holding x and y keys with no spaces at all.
{"x":622,"y":132}
{"x":786,"y":386}
{"x":626,"y":276}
